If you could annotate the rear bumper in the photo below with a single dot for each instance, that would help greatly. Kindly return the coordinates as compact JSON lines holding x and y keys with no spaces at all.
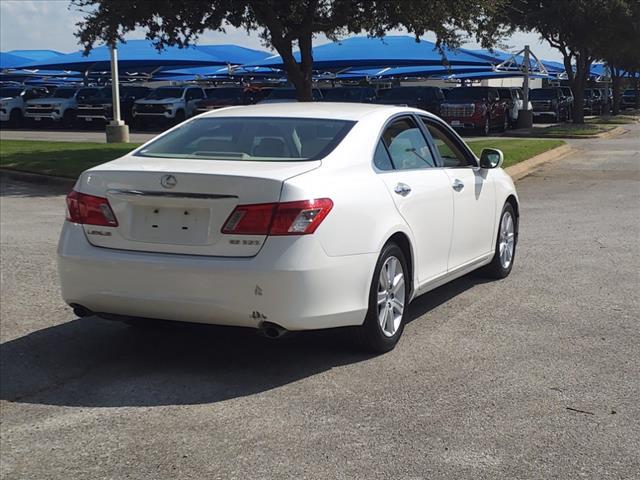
{"x":291,"y":282}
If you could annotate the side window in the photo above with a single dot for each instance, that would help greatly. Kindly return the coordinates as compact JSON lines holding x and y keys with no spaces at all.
{"x":407,"y":146}
{"x":381,"y":158}
{"x":449,"y":148}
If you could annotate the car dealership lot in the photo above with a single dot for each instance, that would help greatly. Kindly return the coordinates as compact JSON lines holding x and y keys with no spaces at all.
{"x":480,"y":386}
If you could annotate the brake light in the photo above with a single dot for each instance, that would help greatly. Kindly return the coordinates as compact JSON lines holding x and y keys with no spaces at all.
{"x":287,"y":218}
{"x":90,"y":210}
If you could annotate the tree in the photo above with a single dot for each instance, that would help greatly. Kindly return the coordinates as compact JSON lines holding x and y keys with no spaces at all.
{"x":576,"y":28}
{"x":618,"y":48}
{"x":286,"y":24}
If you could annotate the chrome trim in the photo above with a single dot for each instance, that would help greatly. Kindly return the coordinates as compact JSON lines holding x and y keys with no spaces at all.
{"x":150,"y":193}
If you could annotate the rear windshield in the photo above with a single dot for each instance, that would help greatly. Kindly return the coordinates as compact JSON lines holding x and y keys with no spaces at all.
{"x":467,"y":93}
{"x":543,"y":93}
{"x":166,"y":92}
{"x":250,"y":139}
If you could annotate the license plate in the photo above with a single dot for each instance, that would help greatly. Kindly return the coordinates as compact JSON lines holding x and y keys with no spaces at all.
{"x":455,"y":123}
{"x":37,"y":119}
{"x":89,"y":119}
{"x":170,"y":225}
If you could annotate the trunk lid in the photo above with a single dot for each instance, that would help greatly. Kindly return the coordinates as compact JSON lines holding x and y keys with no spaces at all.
{"x":180,"y":206}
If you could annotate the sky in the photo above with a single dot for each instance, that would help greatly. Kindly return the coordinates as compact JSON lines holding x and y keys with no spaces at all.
{"x":49,"y":24}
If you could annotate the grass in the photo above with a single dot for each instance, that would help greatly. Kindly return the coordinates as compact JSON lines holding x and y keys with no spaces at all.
{"x":69,"y":159}
{"x":62,"y":159}
{"x":515,"y":150}
{"x":610,"y":120}
{"x":571,"y":130}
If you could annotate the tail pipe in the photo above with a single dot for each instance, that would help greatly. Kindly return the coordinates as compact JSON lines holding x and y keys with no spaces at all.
{"x":272,"y":330}
{"x":81,"y":311}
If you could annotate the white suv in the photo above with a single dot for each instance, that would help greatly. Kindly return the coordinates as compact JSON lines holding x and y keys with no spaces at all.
{"x":12,"y":102}
{"x":168,"y":103}
{"x":61,"y":106}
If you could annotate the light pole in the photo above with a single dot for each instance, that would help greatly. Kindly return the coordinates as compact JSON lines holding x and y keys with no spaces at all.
{"x":525,"y":116}
{"x":117,"y":130}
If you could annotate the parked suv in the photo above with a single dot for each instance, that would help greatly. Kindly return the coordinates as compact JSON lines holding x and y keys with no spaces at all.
{"x":287,"y":94}
{"x":593,"y":102}
{"x":100,"y":107}
{"x":13,"y":100}
{"x":227,"y":96}
{"x":425,"y":98}
{"x":477,"y":108}
{"x":628,"y":99}
{"x":61,"y":106}
{"x":172,"y":104}
{"x":350,"y":94}
{"x":549,"y":102}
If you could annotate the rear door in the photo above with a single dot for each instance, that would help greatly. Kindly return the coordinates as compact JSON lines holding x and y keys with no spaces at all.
{"x":474,"y":198}
{"x":421,"y":192}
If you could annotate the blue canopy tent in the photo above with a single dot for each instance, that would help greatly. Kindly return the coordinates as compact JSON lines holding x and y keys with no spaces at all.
{"x":8,"y":60}
{"x":135,"y":55}
{"x":389,"y":51}
{"x":234,"y":54}
{"x":36,"y":55}
{"x":489,"y":75}
{"x":419,"y":71}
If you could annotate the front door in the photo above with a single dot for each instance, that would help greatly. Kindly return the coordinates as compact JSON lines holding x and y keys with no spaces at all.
{"x":421,"y":192}
{"x":474,"y":196}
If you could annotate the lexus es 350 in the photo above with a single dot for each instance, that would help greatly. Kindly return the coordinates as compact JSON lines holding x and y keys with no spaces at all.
{"x":285,"y":217}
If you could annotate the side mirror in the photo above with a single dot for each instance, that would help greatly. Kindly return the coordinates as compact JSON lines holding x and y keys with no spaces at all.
{"x":491,"y":158}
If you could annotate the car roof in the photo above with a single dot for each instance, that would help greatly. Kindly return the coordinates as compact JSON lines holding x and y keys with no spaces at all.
{"x":332,"y":110}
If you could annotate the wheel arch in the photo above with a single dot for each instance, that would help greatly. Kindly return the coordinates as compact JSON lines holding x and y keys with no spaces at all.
{"x":404,"y":243}
{"x":513,"y":201}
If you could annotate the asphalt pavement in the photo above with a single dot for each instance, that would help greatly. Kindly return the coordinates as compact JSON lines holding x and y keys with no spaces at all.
{"x":533,"y":377}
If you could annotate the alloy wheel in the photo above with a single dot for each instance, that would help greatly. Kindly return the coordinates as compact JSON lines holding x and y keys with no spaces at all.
{"x":507,"y":240}
{"x":391,"y":296}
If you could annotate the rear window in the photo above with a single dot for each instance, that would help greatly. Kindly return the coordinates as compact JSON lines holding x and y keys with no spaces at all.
{"x":250,"y":139}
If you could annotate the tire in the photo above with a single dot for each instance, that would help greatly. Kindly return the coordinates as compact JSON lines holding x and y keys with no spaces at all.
{"x":499,"y":267}
{"x":68,"y":118}
{"x":15,"y":117}
{"x":179,"y":118}
{"x":373,"y":336}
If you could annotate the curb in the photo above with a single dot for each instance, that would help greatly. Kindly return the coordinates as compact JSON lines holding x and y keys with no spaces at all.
{"x":9,"y":174}
{"x":614,"y":132}
{"x":524,"y":168}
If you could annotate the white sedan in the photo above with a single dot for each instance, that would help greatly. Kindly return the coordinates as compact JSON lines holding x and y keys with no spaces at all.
{"x":287,"y":217}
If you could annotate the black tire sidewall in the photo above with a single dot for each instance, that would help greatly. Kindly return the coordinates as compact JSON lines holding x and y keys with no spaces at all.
{"x":376,"y":340}
{"x":496,"y":266}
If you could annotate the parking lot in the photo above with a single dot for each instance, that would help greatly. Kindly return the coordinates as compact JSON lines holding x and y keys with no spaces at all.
{"x":535,"y":376}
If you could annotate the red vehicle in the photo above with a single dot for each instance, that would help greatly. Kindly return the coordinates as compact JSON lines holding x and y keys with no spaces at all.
{"x":475,"y":108}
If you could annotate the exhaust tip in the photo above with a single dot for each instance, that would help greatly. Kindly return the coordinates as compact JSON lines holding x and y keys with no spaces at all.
{"x":81,"y":311}
{"x":272,"y":330}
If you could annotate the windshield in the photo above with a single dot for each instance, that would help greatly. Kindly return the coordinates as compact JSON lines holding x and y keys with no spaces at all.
{"x":7,"y":92}
{"x":224,"y":93}
{"x":63,"y":93}
{"x":543,"y":93}
{"x":85,"y":93}
{"x":250,"y":139}
{"x":409,"y":92}
{"x":467,"y":93}
{"x":137,"y":92}
{"x":165,"y":92}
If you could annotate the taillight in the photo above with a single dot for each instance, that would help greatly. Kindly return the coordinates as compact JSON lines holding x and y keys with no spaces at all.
{"x":287,"y":218}
{"x":90,"y":210}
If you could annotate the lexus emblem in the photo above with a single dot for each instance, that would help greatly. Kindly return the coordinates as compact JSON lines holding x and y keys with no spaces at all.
{"x":168,"y":181}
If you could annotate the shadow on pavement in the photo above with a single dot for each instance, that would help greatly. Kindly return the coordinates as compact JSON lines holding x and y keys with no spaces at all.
{"x":92,"y":362}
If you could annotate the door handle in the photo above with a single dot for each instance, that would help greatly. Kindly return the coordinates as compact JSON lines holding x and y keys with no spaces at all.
{"x":402,"y":189}
{"x":457,"y":185}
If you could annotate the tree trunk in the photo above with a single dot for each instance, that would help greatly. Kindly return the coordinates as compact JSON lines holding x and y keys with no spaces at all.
{"x":578,"y":83}
{"x":299,"y":74}
{"x":616,"y":82}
